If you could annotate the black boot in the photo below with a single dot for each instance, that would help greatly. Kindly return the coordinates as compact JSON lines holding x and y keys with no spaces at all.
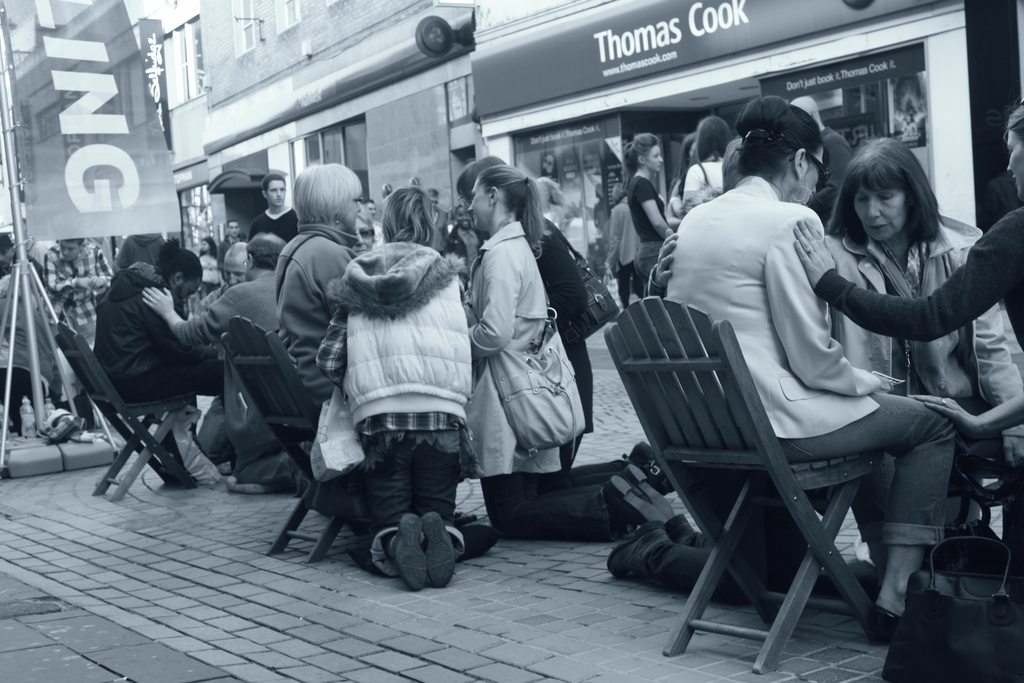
{"x":631,"y":556}
{"x":642,"y":456}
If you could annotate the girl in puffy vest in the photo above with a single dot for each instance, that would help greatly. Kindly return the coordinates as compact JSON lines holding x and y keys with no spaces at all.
{"x":398,"y":346}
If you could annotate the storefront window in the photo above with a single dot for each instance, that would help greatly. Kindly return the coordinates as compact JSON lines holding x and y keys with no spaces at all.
{"x":344,"y":144}
{"x":585,"y":159}
{"x":196,"y":216}
{"x":879,"y":95}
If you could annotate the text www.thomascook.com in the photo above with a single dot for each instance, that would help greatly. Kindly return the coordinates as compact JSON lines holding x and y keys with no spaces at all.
{"x":625,"y":67}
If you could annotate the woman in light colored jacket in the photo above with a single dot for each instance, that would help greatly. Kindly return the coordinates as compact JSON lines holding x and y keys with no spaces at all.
{"x":887,"y":236}
{"x":508,"y":307}
{"x":735,"y":259}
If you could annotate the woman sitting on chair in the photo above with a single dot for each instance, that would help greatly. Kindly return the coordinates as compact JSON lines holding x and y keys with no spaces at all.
{"x":886,"y":236}
{"x":740,"y":264}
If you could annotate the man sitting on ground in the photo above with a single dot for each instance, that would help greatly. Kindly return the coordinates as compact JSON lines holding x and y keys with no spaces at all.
{"x":76,"y":274}
{"x":260,"y":465}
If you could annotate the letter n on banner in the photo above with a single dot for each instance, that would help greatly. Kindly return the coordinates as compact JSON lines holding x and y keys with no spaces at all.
{"x":92,"y":147}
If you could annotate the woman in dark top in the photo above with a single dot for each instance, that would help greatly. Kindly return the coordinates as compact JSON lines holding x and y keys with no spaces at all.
{"x":643,"y":163}
{"x":994,"y":270}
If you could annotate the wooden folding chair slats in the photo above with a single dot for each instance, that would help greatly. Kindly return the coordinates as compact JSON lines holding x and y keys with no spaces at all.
{"x":677,"y":328}
{"x":124,"y":417}
{"x":269,"y":376}
{"x":693,"y":417}
{"x":693,"y":393}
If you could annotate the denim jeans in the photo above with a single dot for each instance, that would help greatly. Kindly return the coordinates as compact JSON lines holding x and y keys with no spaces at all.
{"x":910,"y":510}
{"x":645,"y":260}
{"x":517,"y":509}
{"x":414,"y":477}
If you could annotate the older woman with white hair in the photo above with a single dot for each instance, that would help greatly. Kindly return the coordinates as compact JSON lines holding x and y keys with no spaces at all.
{"x":325,"y":201}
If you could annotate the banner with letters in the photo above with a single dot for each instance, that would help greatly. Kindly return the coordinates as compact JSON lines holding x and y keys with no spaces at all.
{"x":91,"y":145}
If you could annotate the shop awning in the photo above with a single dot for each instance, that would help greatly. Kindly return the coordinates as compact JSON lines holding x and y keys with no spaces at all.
{"x":237,"y":179}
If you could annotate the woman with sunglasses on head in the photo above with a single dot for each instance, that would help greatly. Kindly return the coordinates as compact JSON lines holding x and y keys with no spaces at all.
{"x":993,"y":271}
{"x":739,"y":263}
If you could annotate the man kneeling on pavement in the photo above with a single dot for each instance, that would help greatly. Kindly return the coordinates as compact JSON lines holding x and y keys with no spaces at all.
{"x":260,"y":466}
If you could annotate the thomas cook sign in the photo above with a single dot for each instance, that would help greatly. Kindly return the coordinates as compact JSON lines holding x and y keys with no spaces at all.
{"x":629,"y":39}
{"x":93,"y":151}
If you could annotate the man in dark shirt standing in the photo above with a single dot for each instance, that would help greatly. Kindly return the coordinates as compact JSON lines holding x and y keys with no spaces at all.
{"x":278,"y":218}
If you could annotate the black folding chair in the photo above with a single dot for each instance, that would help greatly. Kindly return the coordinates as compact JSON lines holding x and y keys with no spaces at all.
{"x":127,"y":418}
{"x":269,"y":377}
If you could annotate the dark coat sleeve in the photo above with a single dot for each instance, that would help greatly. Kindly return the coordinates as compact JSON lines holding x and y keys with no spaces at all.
{"x":562,"y":279}
{"x":994,"y":268}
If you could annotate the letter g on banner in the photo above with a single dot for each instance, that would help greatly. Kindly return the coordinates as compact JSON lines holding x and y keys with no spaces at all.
{"x":101,"y":198}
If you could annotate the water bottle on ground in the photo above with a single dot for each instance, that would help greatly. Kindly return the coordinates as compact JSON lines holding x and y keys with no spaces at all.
{"x":28,"y":418}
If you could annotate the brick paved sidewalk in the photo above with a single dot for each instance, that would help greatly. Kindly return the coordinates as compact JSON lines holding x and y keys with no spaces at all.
{"x":43,"y":640}
{"x":187,"y":571}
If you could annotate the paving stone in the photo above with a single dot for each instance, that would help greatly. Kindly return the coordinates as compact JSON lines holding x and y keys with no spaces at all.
{"x":503,"y":673}
{"x":88,"y":634}
{"x":252,"y":673}
{"x":309,"y":674}
{"x":436,"y":674}
{"x":154,"y":663}
{"x":18,"y":636}
{"x":52,"y":664}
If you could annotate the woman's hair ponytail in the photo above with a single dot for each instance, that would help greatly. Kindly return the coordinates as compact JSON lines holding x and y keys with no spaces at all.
{"x":522,"y":199}
{"x":641,"y":146}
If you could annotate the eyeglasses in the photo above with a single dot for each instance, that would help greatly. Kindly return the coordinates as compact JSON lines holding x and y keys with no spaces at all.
{"x":824,"y":172}
{"x":465,"y":203}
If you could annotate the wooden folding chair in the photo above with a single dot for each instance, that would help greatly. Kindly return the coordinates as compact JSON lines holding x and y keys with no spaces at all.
{"x":693,"y":393}
{"x":127,"y":418}
{"x":269,"y":377}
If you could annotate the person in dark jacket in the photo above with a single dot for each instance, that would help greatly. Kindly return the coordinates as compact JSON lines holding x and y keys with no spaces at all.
{"x":144,"y":360}
{"x":139,"y":248}
{"x":464,"y":240}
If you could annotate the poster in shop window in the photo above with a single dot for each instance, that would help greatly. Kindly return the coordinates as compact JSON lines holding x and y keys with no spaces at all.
{"x":91,"y":147}
{"x":876,"y":95}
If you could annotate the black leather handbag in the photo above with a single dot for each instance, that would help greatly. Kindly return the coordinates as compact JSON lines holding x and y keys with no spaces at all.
{"x":601,"y":307}
{"x":961,"y":625}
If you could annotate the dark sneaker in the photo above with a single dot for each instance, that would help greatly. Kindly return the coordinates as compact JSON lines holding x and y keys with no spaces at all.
{"x":631,"y":504}
{"x":407,"y":546}
{"x":440,"y":555}
{"x":629,"y":555}
{"x":635,"y":476}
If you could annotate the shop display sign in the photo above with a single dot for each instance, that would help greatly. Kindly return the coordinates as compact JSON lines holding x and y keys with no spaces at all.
{"x":94,"y":158}
{"x":880,"y":94}
{"x":585,"y":160}
{"x":630,"y":39}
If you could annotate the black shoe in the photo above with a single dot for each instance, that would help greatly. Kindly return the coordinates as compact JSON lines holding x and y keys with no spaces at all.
{"x":635,"y":476}
{"x":440,"y":556}
{"x":679,"y":530}
{"x":408,"y":551}
{"x":881,"y":624}
{"x":632,"y":505}
{"x":629,"y":555}
{"x":642,"y":456}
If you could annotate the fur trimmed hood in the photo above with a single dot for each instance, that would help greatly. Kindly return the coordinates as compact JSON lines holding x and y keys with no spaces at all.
{"x":393,"y":280}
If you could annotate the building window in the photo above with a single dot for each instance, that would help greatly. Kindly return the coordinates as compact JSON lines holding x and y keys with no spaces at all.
{"x":287,"y":14}
{"x":343,"y":144}
{"x":196,"y":216}
{"x":189,"y":76}
{"x":246,"y":30}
